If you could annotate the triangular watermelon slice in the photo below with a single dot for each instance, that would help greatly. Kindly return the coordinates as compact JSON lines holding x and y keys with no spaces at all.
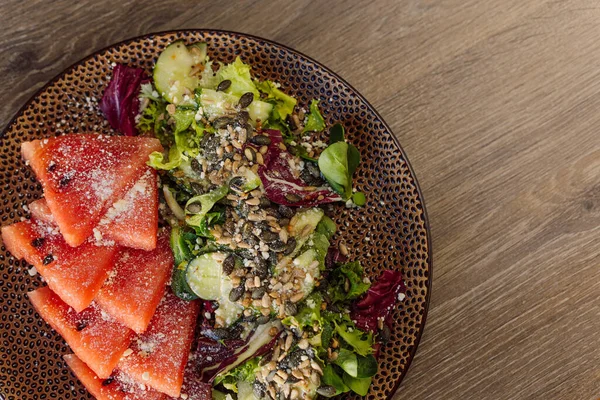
{"x":160,"y":354}
{"x":93,"y":335}
{"x":131,"y":221}
{"x":137,"y":284}
{"x":117,"y":387}
{"x":75,"y":274}
{"x":84,"y":175}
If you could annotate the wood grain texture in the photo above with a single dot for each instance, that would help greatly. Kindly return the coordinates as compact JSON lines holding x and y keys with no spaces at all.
{"x":498,"y":107}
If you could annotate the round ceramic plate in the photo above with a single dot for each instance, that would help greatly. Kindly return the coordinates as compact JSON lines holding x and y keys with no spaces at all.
{"x":391,"y":231}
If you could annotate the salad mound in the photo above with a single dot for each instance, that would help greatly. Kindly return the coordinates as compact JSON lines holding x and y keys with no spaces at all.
{"x":244,"y":180}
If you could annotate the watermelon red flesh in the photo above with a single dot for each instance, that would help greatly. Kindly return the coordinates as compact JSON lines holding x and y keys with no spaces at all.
{"x":133,"y":220}
{"x":137,"y":284}
{"x":83,"y":175}
{"x":117,"y":387}
{"x":95,"y":337}
{"x":75,"y":274}
{"x":160,"y":354}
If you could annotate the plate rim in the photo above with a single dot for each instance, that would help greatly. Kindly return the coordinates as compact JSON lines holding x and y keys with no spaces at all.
{"x":426,"y":223}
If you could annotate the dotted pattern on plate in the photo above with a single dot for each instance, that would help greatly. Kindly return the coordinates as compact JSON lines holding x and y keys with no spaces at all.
{"x":390,"y":232}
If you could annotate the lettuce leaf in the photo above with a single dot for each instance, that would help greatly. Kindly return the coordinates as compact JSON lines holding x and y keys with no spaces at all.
{"x":152,"y":119}
{"x":206,"y":201}
{"x":314,"y":120}
{"x":157,"y":159}
{"x":239,"y":75}
{"x":244,"y":372}
{"x":360,"y":341}
{"x":352,"y":273}
{"x":284,"y":104}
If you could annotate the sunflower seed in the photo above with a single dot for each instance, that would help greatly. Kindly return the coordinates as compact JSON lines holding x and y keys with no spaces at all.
{"x":223,"y":85}
{"x":290,"y":308}
{"x":250,"y":153}
{"x":194,"y":208}
{"x":237,"y":183}
{"x":246,"y":99}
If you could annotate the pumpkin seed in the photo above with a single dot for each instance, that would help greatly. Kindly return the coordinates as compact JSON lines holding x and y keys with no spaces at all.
{"x":229,"y":264}
{"x":242,"y":118}
{"x":222,"y":122}
{"x":236,"y":293}
{"x":246,"y":99}
{"x":260,"y":140}
{"x":268,"y":236}
{"x":326,"y":390}
{"x":286,"y":212}
{"x":278,"y":246}
{"x":292,"y":197}
{"x":223,"y":85}
{"x":237,"y":183}
{"x":196,"y":167}
{"x":258,"y":293}
{"x":290,"y":246}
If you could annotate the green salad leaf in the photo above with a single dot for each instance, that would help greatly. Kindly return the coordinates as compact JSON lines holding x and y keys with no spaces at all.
{"x":244,"y":372}
{"x":361,"y":342}
{"x":152,"y":119}
{"x":157,"y":159}
{"x":284,"y":104}
{"x":332,"y":378}
{"x":206,"y":202}
{"x":347,"y":282}
{"x":314,"y":120}
{"x":239,"y":75}
{"x":358,"y":385}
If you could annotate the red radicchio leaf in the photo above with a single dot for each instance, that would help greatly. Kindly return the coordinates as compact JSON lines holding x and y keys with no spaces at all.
{"x":120,"y":103}
{"x":279,"y":181}
{"x":379,"y":301}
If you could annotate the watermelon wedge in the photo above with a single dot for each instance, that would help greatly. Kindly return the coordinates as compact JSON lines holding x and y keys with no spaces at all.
{"x":95,"y":337}
{"x":133,"y":220}
{"x":137,"y":284}
{"x":160,"y":354}
{"x":117,"y":387}
{"x":83,"y":175}
{"x":75,"y":274}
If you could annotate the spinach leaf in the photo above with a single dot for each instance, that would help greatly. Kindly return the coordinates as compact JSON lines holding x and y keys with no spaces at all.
{"x":336,"y":134}
{"x":357,"y":385}
{"x":332,"y":378}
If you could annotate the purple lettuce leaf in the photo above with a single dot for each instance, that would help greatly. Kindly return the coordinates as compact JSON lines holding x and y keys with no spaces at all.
{"x":120,"y":103}
{"x":280,"y":183}
{"x":379,"y":301}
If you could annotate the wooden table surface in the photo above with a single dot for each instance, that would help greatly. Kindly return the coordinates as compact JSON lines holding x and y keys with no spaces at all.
{"x":497,"y":104}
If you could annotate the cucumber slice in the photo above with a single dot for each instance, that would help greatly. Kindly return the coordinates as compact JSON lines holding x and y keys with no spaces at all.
{"x":216,"y":104}
{"x":198,"y":51}
{"x":305,"y":222}
{"x":204,"y":275}
{"x":260,"y":110}
{"x":172,"y":70}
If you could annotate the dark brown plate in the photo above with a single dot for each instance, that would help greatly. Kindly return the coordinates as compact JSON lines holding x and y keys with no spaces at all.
{"x":392,"y":231}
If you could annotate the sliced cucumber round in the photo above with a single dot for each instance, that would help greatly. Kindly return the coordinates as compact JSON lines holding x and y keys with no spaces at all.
{"x":204,"y":275}
{"x":172,"y":73}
